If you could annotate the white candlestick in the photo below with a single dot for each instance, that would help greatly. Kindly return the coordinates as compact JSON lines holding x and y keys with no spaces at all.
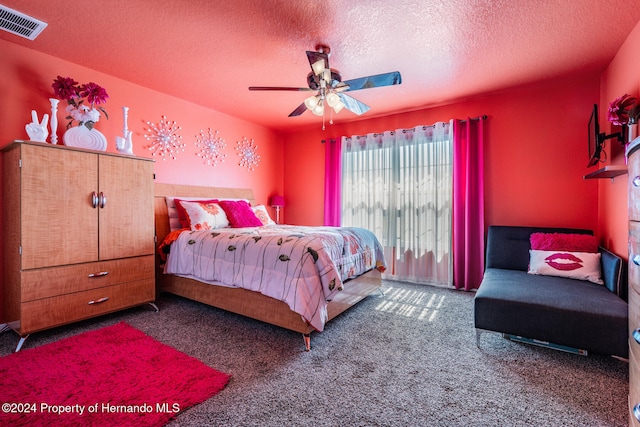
{"x":125,"y":112}
{"x":54,"y":120}
{"x":124,"y":143}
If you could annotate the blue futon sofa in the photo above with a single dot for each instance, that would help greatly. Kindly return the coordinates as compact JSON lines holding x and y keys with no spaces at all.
{"x":569,"y":314}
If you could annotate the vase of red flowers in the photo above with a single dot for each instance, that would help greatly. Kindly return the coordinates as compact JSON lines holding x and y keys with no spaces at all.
{"x":625,"y":111}
{"x":84,"y":106}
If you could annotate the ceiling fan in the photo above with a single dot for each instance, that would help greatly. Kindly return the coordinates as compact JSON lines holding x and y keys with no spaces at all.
{"x":329,"y":87}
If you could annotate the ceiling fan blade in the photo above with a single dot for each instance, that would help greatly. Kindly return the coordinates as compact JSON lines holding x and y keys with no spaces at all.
{"x":301,"y":109}
{"x":314,"y":57}
{"x":339,"y":86}
{"x":296,"y":89}
{"x":353,"y":105}
{"x":386,"y":79}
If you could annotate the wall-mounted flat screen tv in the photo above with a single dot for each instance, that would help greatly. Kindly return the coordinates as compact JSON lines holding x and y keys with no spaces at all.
{"x":596,"y":140}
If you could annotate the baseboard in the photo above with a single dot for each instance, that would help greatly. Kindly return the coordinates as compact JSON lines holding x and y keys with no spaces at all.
{"x":546,"y":344}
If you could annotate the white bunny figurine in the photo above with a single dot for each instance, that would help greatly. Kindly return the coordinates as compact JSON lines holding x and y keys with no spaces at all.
{"x":37,"y":131}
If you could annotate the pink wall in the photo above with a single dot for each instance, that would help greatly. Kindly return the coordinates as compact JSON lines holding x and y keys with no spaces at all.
{"x":536,"y":154}
{"x":536,"y":148}
{"x":26,"y":84}
{"x":619,"y":78}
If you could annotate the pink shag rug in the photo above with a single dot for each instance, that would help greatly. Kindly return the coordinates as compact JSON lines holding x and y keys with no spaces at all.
{"x":115,"y":376}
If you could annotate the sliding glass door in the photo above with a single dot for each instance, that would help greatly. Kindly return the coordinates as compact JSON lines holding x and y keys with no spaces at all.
{"x":398,"y":184}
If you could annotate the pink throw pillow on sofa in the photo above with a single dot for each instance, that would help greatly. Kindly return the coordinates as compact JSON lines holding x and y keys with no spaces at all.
{"x":564,"y":242}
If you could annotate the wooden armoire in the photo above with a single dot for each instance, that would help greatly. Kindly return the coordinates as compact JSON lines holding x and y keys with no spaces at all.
{"x":78,"y":234}
{"x":634,"y":285}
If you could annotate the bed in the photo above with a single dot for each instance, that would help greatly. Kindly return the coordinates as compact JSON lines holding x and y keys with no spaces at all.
{"x":243,"y":301}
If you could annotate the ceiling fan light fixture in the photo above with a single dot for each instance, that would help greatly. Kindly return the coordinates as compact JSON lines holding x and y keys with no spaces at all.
{"x":326,"y":75}
{"x":333,"y":99}
{"x":318,"y":110}
{"x":318,"y":67}
{"x":311,"y":102}
{"x":338,"y":107}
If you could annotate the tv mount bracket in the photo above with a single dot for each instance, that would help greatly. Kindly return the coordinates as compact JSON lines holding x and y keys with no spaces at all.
{"x":603,"y":137}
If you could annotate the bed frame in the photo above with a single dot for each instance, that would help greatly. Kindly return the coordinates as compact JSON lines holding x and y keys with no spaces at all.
{"x":237,"y":300}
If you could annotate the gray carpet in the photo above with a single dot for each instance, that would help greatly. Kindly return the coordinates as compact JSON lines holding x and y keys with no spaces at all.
{"x":407,"y":358}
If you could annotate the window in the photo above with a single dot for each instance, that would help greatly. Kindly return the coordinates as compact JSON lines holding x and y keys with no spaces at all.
{"x":399,"y":185}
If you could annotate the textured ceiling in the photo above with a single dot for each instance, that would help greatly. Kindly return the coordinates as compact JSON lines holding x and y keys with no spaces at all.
{"x":210,"y":51}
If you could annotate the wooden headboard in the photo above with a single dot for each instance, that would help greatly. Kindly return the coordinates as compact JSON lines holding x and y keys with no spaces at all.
{"x":177,"y":190}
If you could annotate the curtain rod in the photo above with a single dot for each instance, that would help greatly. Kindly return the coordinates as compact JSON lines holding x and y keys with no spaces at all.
{"x":476,"y":119}
{"x":473,"y":119}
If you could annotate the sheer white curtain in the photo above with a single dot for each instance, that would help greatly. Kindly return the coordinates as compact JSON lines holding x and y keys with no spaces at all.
{"x":398,"y":184}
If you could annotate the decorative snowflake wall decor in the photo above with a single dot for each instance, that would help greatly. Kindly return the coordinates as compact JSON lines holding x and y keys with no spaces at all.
{"x":248,"y":155}
{"x":211,"y":146}
{"x":164,"y":138}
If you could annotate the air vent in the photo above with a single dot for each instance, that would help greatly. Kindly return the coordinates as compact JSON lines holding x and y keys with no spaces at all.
{"x":20,"y":24}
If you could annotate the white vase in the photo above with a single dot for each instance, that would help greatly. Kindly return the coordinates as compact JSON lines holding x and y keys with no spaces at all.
{"x":83,"y":137}
{"x":632,"y":131}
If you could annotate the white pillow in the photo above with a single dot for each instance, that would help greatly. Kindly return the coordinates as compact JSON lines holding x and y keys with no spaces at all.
{"x":263,"y":215}
{"x":205,"y":216}
{"x":172,"y":211}
{"x":575,"y":265}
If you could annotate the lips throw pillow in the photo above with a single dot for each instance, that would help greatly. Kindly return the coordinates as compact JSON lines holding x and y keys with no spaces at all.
{"x":574,"y":265}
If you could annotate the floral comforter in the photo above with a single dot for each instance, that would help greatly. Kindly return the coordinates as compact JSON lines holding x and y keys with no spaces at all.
{"x":302,"y":266}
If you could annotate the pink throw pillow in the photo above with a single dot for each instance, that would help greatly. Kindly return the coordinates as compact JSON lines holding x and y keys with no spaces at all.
{"x":240,"y":213}
{"x":564,"y":242}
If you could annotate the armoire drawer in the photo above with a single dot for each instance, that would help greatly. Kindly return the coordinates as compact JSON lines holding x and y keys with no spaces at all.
{"x":634,"y":314}
{"x":49,"y":312}
{"x":634,"y":256}
{"x":55,"y":281}
{"x":634,"y":381}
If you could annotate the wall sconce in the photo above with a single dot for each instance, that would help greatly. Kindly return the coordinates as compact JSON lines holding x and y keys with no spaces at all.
{"x":277,"y":202}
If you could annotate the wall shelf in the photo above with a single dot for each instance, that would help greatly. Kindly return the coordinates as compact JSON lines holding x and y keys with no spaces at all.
{"x":610,"y":171}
